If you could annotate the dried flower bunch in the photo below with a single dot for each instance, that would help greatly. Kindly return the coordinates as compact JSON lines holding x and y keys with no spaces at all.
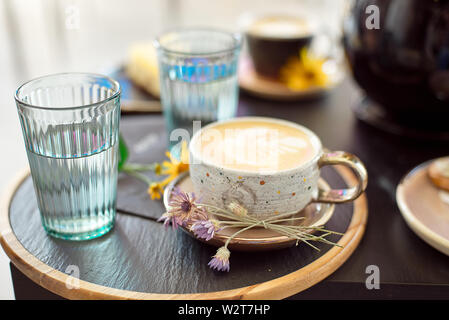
{"x":202,"y":220}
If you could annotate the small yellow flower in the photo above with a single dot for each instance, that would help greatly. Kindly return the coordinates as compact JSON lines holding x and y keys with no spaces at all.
{"x":155,"y":190}
{"x":174,"y":167}
{"x":303,"y":72}
{"x":170,"y":168}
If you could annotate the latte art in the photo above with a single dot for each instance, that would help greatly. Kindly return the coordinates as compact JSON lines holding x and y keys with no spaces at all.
{"x":255,"y":146}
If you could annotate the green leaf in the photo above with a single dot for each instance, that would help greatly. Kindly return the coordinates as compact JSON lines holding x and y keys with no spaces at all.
{"x":123,"y":152}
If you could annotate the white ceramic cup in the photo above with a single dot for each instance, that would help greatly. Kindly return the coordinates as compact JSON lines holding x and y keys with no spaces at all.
{"x":265,"y":194}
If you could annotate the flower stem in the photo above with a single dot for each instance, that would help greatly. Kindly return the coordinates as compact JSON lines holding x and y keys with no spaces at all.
{"x":138,"y":167}
{"x":238,"y":232}
{"x":137,"y":175}
{"x":227,"y":214}
{"x":287,"y":219}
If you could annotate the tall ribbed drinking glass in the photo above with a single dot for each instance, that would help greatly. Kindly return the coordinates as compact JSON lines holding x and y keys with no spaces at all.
{"x":70,"y":124}
{"x":198,"y":76}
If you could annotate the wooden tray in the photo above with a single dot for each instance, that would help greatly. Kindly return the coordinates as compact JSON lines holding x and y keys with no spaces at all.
{"x":140,"y":259}
{"x":138,"y":246}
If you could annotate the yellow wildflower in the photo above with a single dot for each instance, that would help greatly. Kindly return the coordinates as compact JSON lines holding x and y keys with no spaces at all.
{"x":171,"y":168}
{"x":303,"y":72}
{"x":157,"y":169}
{"x":155,"y":190}
{"x":174,"y":167}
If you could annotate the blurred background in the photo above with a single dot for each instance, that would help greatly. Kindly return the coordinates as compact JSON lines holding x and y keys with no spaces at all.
{"x":50,"y":36}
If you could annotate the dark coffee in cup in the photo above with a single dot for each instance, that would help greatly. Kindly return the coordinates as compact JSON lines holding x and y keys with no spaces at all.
{"x":272,"y":40}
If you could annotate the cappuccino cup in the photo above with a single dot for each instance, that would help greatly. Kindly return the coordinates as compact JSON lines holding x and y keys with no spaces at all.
{"x":269,"y":166}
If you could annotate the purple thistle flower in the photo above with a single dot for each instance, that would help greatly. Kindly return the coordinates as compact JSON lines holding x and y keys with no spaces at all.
{"x":168,"y":218}
{"x":220,"y":261}
{"x":205,"y":229}
{"x":180,"y":199}
{"x":182,"y":205}
{"x":182,"y":209}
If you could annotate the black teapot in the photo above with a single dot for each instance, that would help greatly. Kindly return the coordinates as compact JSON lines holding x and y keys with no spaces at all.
{"x":402,"y":63}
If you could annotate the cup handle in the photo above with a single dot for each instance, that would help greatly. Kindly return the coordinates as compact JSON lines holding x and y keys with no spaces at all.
{"x":343,"y":195}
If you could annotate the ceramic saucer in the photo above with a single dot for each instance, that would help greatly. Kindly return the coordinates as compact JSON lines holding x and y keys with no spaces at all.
{"x":425,"y":207}
{"x":259,"y":239}
{"x":272,"y":89}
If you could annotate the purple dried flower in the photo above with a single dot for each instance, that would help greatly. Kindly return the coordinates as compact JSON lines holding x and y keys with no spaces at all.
{"x":181,"y":203}
{"x":220,"y":261}
{"x":205,"y":229}
{"x":169,"y":218}
{"x":182,"y":208}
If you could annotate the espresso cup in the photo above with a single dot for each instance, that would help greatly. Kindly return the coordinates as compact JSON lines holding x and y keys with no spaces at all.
{"x":272,"y":40}
{"x":223,"y":176}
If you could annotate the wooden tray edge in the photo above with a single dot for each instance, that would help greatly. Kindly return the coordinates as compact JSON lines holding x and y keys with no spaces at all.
{"x":279,"y":288}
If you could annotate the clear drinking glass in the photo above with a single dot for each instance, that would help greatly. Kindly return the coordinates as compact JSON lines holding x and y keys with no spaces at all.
{"x":198,"y":76}
{"x":70,"y":124}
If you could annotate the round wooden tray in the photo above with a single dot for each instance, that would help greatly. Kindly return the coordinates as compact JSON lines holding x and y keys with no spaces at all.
{"x":130,"y":261}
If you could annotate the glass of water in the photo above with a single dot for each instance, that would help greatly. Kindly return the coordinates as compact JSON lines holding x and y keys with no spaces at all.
{"x":70,"y":124}
{"x":198,"y":77}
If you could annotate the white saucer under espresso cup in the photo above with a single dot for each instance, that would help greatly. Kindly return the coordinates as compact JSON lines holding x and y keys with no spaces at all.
{"x":269,"y":166}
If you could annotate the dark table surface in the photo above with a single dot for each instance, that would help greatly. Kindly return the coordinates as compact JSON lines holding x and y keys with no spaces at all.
{"x":408,"y":266}
{"x":401,"y":256}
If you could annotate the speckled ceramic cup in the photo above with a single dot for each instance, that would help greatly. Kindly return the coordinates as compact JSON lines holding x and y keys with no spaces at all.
{"x":265,"y":194}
